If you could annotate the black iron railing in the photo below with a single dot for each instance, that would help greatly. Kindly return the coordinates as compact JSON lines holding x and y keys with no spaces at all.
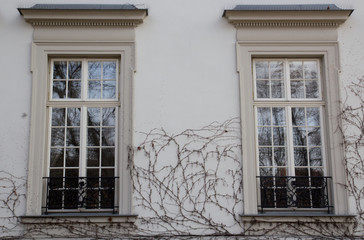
{"x":80,"y":193}
{"x":294,"y":192}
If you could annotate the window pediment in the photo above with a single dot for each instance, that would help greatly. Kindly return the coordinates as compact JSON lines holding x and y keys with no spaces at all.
{"x":83,"y":15}
{"x":314,"y":15}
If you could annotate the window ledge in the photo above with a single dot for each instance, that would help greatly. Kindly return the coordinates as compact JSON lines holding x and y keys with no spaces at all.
{"x":287,"y":16}
{"x":79,"y":218}
{"x":297,"y":217}
{"x":47,"y":15}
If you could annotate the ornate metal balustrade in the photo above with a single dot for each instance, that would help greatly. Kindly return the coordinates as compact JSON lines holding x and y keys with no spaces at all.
{"x":80,"y":193}
{"x":294,"y":192}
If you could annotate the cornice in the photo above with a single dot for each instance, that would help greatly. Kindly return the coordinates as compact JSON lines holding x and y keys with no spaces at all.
{"x":282,"y":19}
{"x":84,"y":18}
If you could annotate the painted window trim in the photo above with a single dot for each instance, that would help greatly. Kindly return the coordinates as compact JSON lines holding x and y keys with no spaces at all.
{"x":41,"y":53}
{"x":328,"y":52}
{"x":74,"y":31}
{"x":294,"y":32}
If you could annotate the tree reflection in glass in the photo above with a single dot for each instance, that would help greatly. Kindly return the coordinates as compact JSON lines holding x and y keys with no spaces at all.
{"x":102,"y":79}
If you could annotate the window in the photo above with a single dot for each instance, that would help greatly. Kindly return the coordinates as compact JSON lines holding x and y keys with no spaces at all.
{"x":83,"y":113}
{"x":289,"y":139}
{"x":288,"y":62}
{"x":80,"y":133}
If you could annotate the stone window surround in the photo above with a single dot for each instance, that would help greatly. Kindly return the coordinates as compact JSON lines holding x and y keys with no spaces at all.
{"x":68,"y":32}
{"x":279,"y":33}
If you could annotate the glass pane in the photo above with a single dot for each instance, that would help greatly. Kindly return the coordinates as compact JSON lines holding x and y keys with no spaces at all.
{"x":314,"y":136}
{"x":56,"y":157}
{"x":108,"y":116}
{"x":109,"y":70}
{"x":265,"y":156}
{"x":298,"y":117}
{"x":280,"y":156}
{"x":312,"y":89}
{"x":279,"y":116}
{"x":109,"y":90}
{"x":295,"y":70}
{"x":299,"y":136}
{"x":72,"y":157}
{"x":300,"y":156}
{"x":108,"y":157}
{"x":73,"y":116}
{"x":266,"y":171}
{"x":264,"y":136}
{"x":301,"y":172}
{"x":94,"y":89}
{"x":93,"y":137}
{"x":317,"y":172}
{"x":108,"y":136}
{"x":281,"y":172}
{"x":277,"y":89}
{"x":315,"y":157}
{"x":262,"y":69}
{"x":107,"y":172}
{"x":93,"y":181}
{"x":58,"y":116}
{"x":57,"y":137}
{"x":310,"y":69}
{"x":264,"y":116}
{"x":73,"y":137}
{"x":72,"y":173}
{"x":313,"y":116}
{"x":276,"y":70}
{"x":60,"y":70}
{"x":262,"y":89}
{"x":74,"y":70}
{"x":279,"y":136}
{"x":92,"y":172}
{"x":59,"y":89}
{"x":93,"y":116}
{"x":74,"y":89}
{"x":93,"y":157}
{"x":297,"y":89}
{"x":94,"y":70}
{"x":56,"y":173}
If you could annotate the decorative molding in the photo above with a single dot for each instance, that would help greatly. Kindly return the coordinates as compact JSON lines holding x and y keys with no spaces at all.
{"x":285,"y":24}
{"x":83,"y":23}
{"x":283,"y":19}
{"x":84,"y":17}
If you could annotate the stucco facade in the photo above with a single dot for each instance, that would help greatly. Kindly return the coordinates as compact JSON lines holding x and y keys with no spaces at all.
{"x":184,"y":149}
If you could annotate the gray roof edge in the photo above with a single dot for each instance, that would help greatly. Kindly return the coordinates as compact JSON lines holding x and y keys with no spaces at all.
{"x":81,"y":7}
{"x":288,"y":7}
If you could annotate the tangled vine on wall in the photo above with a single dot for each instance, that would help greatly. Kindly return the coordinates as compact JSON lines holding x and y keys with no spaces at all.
{"x":352,"y":115}
{"x":12,"y":197}
{"x":189,"y":184}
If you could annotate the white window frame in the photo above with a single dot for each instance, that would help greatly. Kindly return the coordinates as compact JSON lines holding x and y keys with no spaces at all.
{"x":42,"y":53}
{"x":327,"y":52}
{"x":287,"y":102}
{"x":66,"y":31}
{"x":84,"y":94}
{"x":83,"y":103}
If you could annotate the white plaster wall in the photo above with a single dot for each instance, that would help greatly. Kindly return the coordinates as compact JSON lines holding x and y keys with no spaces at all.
{"x":186,"y":67}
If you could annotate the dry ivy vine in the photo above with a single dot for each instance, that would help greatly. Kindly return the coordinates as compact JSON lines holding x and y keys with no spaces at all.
{"x":188,"y":185}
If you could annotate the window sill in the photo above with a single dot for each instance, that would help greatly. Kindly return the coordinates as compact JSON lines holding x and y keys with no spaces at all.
{"x":299,"y":224}
{"x":77,"y":225}
{"x":70,"y":218}
{"x":292,"y":217}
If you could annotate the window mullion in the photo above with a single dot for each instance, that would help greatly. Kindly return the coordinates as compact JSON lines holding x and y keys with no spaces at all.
{"x":287,"y":79}
{"x":290,"y":142}
{"x":84,"y":80}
